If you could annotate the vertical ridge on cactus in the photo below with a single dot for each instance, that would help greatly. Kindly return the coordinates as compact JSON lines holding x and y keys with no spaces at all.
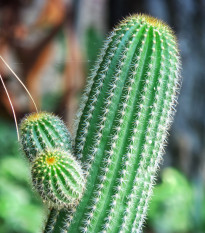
{"x":122,"y":126}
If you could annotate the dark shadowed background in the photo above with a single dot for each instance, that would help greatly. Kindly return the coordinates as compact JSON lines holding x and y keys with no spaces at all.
{"x":51,"y":45}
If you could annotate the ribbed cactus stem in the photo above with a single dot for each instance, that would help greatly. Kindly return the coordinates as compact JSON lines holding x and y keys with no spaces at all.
{"x":41,"y":131}
{"x":58,"y":177}
{"x":122,"y":125}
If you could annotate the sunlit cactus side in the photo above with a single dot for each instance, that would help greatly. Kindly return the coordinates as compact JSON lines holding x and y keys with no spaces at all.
{"x":122,"y":126}
{"x":58,"y":178}
{"x":41,"y":131}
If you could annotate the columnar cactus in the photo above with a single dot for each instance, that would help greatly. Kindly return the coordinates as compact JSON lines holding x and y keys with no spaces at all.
{"x":121,"y":130}
{"x":122,"y":126}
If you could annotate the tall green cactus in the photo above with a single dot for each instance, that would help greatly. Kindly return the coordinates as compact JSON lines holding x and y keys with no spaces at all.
{"x":122,"y":126}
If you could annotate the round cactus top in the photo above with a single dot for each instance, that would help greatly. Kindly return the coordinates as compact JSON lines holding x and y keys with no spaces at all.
{"x":34,"y":117}
{"x":151,"y":22}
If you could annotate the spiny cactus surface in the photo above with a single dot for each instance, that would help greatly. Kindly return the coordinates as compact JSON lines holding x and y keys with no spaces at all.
{"x":58,"y":177}
{"x":122,"y":126}
{"x":56,"y":174}
{"x":41,"y":131}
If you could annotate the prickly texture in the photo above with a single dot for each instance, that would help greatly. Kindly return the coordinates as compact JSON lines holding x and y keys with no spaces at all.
{"x":122,"y":126}
{"x":56,"y":174}
{"x":41,"y":131}
{"x":58,"y":178}
{"x":55,"y":218}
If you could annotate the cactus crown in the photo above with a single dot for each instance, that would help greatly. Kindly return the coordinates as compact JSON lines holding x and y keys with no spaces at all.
{"x":156,"y":23}
{"x":34,"y":117}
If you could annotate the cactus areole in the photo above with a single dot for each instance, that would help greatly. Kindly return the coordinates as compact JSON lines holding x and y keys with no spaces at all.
{"x":121,"y":128}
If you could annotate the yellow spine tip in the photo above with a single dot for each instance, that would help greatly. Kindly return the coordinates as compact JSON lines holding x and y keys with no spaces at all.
{"x":35,"y":116}
{"x":32,"y":118}
{"x":153,"y":22}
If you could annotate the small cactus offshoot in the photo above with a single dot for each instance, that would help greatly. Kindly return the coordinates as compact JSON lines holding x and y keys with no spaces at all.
{"x":58,"y":178}
{"x":56,"y":174}
{"x":41,"y":131}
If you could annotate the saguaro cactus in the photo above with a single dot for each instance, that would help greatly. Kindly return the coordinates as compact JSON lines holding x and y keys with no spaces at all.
{"x":122,"y":126}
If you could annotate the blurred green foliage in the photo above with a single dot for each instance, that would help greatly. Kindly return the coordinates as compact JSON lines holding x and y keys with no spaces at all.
{"x":173,"y":205}
{"x":20,"y":209}
{"x":93,"y":43}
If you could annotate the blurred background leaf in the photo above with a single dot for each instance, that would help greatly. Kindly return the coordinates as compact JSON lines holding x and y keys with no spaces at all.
{"x":171,"y":206}
{"x":20,"y":208}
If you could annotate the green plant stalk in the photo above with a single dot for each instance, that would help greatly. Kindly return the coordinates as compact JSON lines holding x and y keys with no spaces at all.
{"x":122,"y":126}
